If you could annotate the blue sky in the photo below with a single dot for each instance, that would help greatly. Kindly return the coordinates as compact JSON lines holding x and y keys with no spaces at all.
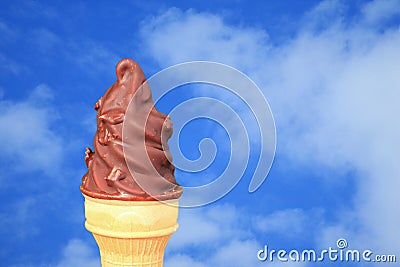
{"x":329,"y":70}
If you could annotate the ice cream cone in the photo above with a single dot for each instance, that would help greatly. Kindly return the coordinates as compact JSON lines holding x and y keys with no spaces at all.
{"x":131,"y":233}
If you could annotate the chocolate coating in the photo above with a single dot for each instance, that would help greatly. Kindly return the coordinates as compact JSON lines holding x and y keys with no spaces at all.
{"x":116,"y":168}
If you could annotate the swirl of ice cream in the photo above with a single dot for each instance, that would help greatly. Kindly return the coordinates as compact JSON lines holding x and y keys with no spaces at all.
{"x":116,"y":164}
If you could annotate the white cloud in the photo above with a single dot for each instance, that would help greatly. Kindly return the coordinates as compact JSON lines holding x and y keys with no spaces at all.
{"x":237,"y":253}
{"x":216,"y":223}
{"x":244,"y":253}
{"x":348,"y":120}
{"x":79,"y":253}
{"x":334,"y":94}
{"x":289,"y":222}
{"x":22,"y":222}
{"x":178,"y":36}
{"x":30,"y":142}
{"x":379,"y":11}
{"x":212,"y":235}
{"x":188,"y":234}
{"x":182,"y":261}
{"x":222,"y":235}
{"x":324,"y":14}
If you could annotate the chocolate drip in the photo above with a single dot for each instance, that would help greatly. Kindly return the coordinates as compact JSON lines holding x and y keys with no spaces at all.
{"x":110,"y":170}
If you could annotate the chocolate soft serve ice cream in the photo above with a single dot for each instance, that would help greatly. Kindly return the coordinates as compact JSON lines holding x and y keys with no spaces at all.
{"x":131,"y":195}
{"x":116,"y":164}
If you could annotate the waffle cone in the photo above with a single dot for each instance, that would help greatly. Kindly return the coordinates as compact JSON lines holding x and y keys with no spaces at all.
{"x":131,"y":233}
